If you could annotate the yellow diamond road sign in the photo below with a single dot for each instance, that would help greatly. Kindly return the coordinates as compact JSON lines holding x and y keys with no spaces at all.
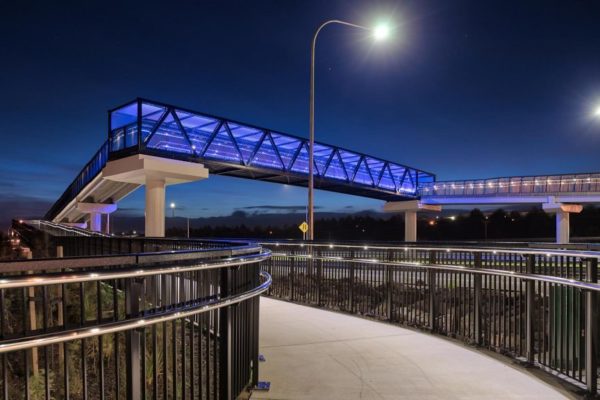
{"x":303,"y":227}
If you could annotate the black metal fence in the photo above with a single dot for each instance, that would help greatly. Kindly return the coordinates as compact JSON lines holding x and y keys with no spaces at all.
{"x":138,"y":324}
{"x":538,"y":306}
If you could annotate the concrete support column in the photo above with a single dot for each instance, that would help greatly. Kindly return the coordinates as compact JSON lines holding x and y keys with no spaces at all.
{"x":155,"y":173}
{"x":95,"y":212}
{"x":410,"y":226}
{"x":155,"y":208}
{"x":562,"y":219}
{"x":410,"y":209}
{"x":96,"y":222}
{"x":562,"y":227}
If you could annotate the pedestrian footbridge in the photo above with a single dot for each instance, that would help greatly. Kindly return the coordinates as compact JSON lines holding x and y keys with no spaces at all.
{"x":153,"y":144}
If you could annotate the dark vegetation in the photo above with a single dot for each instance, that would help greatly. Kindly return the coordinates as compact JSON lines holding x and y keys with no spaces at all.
{"x":501,"y":225}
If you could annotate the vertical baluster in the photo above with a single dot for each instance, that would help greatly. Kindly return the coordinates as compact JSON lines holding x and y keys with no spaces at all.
{"x":432,"y":288}
{"x":133,"y":307}
{"x":529,"y":309}
{"x":477,"y":278}
{"x":591,"y":323}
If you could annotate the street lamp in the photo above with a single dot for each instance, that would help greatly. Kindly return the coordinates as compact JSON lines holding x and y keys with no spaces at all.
{"x":380,"y":33}
{"x":173,"y":209}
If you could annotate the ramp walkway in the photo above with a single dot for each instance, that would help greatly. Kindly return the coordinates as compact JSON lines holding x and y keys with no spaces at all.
{"x":317,"y":354}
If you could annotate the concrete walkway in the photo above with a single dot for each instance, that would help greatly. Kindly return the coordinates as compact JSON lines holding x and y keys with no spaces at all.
{"x":316,"y":354}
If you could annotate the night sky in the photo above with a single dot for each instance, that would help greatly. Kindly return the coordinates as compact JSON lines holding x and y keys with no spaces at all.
{"x":464,"y":89}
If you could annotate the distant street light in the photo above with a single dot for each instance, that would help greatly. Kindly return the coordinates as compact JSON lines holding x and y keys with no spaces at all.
{"x":380,"y":33}
{"x":173,"y":209}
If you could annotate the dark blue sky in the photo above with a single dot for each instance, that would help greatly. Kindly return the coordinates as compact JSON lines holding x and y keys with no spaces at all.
{"x":465,"y":89}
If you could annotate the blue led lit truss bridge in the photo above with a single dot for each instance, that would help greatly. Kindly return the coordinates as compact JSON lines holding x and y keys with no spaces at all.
{"x":232,"y":148}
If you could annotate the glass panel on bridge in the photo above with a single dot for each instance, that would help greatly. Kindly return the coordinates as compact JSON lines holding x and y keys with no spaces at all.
{"x":151,"y":115}
{"x":301,"y":162}
{"x":198,"y":128}
{"x":375,"y":166}
{"x":117,"y":139}
{"x":123,"y":116}
{"x":322,"y":156}
{"x":363,"y":175}
{"x":170,"y":137}
{"x":387,"y":180}
{"x":222,"y":147}
{"x":287,"y":147}
{"x":123,"y":125}
{"x":350,"y":161}
{"x":267,"y":156}
{"x":247,"y":138}
{"x":336,"y":169}
{"x":408,"y":184}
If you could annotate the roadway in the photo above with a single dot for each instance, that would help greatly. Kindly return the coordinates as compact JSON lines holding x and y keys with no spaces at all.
{"x":317,"y":354}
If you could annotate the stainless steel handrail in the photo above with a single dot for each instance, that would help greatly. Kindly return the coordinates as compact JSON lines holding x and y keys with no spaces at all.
{"x":482,"y":271}
{"x":134,"y":323}
{"x":47,"y":264}
{"x":45,"y":279}
{"x":493,"y":250}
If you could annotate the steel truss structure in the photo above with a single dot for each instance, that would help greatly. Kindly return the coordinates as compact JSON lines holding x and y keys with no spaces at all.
{"x":231,"y":148}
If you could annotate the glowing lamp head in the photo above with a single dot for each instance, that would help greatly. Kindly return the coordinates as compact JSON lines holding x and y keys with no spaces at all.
{"x":381,"y":32}
{"x":172,"y":205}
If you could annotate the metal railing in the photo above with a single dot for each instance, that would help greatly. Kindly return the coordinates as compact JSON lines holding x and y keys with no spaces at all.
{"x":515,"y":186}
{"x":85,"y":176}
{"x":537,"y":306}
{"x":160,"y":324}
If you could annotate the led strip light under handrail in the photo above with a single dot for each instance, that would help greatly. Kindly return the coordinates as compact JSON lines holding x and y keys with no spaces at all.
{"x":493,"y":250}
{"x":42,"y":280}
{"x":135,"y":323}
{"x":457,"y":268}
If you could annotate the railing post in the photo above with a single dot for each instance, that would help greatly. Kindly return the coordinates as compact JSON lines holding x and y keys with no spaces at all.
{"x":133,"y":294}
{"x":432,"y":286}
{"x":319,"y":280}
{"x":477,"y":306}
{"x":270,"y":271}
{"x":351,"y":284}
{"x":530,"y":318}
{"x":388,"y":271}
{"x":291,"y":276}
{"x":591,"y":322}
{"x":225,"y":349}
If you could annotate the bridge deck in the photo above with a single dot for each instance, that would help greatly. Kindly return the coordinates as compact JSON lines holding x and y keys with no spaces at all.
{"x":317,"y":354}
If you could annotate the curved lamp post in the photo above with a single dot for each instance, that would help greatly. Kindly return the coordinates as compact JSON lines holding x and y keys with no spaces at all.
{"x":379,"y":32}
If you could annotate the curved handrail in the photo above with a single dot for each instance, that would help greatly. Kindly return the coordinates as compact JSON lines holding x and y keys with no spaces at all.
{"x":42,"y":280}
{"x":457,"y":268}
{"x":494,"y":250}
{"x":48,"y":264}
{"x":135,"y":323}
